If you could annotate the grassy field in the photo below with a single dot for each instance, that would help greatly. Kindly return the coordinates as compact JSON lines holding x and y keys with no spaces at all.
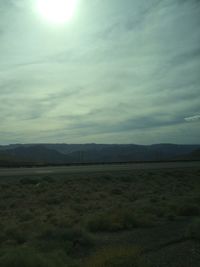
{"x":138,"y":218}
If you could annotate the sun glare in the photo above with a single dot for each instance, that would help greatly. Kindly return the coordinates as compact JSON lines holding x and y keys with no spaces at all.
{"x":57,"y":11}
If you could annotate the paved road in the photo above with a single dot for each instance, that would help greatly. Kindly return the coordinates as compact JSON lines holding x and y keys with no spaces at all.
{"x":96,"y":168}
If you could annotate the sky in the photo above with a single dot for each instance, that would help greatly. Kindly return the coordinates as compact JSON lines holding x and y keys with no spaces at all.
{"x":119,"y":71}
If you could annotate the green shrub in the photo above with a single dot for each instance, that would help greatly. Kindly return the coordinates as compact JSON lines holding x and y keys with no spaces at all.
{"x":72,"y":241}
{"x":25,"y":216}
{"x":116,"y":191}
{"x":2,"y":237}
{"x":24,"y":257}
{"x":29,"y":181}
{"x":117,"y":221}
{"x":188,"y":210}
{"x":193,"y":230}
{"x":16,"y":234}
{"x":48,"y":179}
{"x":105,"y":222}
{"x":117,"y":257}
{"x":53,"y":200}
{"x":126,"y":179}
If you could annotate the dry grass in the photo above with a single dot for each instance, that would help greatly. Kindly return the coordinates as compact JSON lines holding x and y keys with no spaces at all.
{"x":49,"y":213}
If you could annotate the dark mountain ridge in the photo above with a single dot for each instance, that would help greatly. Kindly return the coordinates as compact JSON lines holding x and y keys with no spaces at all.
{"x":36,"y":153}
{"x":91,"y":153}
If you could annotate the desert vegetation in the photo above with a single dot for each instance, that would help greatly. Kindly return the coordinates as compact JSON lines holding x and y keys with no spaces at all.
{"x":138,"y":218}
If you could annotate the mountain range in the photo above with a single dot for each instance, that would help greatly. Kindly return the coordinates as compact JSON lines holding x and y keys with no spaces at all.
{"x":19,"y":154}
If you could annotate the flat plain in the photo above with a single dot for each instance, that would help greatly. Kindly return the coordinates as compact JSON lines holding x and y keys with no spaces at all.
{"x":97,"y":168}
{"x":108,"y":216}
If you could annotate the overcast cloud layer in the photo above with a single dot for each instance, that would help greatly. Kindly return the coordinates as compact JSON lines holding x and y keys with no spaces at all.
{"x":122,"y":71}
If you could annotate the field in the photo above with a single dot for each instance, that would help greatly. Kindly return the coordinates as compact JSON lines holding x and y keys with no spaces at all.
{"x":111,"y":218}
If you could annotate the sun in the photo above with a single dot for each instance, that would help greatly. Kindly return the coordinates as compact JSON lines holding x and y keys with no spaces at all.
{"x":57,"y":11}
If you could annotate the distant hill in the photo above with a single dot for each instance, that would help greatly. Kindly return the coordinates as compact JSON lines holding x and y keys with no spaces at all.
{"x":120,"y":153}
{"x":10,"y":161}
{"x":91,"y":153}
{"x":37,"y":153}
{"x":5,"y":158}
{"x":194,"y":155}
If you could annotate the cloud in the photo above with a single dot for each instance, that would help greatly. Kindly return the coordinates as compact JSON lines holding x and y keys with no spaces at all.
{"x":193,"y":118}
{"x":120,"y":72}
{"x":187,"y":56}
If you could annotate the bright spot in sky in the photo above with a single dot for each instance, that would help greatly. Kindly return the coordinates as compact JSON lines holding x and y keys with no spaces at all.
{"x":57,"y":11}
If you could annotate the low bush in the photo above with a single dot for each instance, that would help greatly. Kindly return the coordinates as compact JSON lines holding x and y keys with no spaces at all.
{"x":15,"y":234}
{"x":48,"y":179}
{"x":72,"y":241}
{"x":119,"y":220}
{"x":188,"y":210}
{"x":193,"y":230}
{"x":116,"y":191}
{"x":25,"y":257}
{"x":30,"y":181}
{"x":117,"y":257}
